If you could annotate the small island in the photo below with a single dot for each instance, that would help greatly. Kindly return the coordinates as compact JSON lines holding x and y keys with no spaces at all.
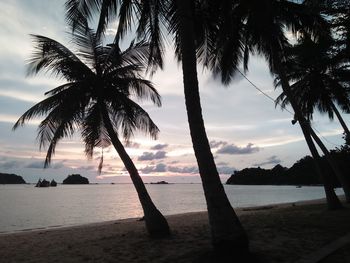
{"x":45,"y":183}
{"x":160,"y":182}
{"x":75,"y":179}
{"x":11,"y":179}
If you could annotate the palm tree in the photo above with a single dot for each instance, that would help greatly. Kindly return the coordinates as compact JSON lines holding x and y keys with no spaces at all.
{"x":182,"y":19}
{"x":97,"y":101}
{"x":263,"y":32}
{"x":316,"y":84}
{"x":317,"y":81}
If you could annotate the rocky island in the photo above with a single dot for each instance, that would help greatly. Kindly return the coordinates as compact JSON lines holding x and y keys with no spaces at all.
{"x":75,"y":179}
{"x":11,"y":179}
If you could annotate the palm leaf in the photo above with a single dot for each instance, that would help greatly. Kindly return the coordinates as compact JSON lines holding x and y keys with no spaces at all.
{"x":49,"y":55}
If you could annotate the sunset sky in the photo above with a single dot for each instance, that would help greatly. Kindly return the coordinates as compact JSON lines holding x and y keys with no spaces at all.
{"x":244,"y":127}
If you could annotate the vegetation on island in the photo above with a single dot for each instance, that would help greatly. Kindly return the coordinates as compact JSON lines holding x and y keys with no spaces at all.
{"x":11,"y":179}
{"x":302,"y":172}
{"x":75,"y":179}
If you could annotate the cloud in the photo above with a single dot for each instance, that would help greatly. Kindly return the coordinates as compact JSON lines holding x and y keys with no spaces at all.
{"x":216,"y":144}
{"x":159,"y":168}
{"x":226,"y":169}
{"x":90,"y":168}
{"x":40,"y":165}
{"x":9,"y":165}
{"x":234,"y":149}
{"x":149,"y":156}
{"x":159,"y":147}
{"x":35,"y":165}
{"x":222,"y":164}
{"x":134,"y":145}
{"x":162,"y":168}
{"x":271,"y":160}
{"x":183,"y":170}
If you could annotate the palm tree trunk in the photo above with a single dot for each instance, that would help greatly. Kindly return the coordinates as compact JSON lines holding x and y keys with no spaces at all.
{"x":156,"y":224}
{"x":341,"y":120}
{"x":227,"y":232}
{"x":332,"y":199}
{"x":343,"y":181}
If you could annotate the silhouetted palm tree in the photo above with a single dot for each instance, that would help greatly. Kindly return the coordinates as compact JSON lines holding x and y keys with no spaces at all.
{"x":316,"y":82}
{"x":258,"y":26}
{"x":314,"y":73}
{"x":97,"y":101}
{"x":182,"y":19}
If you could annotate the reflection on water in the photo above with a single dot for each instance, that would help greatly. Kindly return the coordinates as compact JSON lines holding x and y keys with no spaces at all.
{"x":27,"y":207}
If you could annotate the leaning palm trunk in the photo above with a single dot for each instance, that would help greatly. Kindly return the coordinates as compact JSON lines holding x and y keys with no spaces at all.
{"x":227,"y":232}
{"x":156,"y":224}
{"x":332,"y":199}
{"x":340,"y":176}
{"x":341,"y":120}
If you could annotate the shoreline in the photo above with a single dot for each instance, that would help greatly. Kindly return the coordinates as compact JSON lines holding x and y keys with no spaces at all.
{"x":238,"y":210}
{"x":277,"y":233}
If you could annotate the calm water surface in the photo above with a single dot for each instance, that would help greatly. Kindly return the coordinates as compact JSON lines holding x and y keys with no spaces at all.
{"x":24,"y":207}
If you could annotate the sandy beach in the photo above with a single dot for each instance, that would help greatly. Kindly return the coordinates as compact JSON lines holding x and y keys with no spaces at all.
{"x":278,"y":233}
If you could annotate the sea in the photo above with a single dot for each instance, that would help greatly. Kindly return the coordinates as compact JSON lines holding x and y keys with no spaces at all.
{"x":25,"y":207}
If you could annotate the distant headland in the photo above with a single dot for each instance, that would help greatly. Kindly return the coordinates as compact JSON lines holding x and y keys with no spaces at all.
{"x":301,"y":173}
{"x":11,"y":179}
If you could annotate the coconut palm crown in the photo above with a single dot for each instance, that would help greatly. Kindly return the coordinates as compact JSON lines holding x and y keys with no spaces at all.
{"x":316,"y":77}
{"x":98,"y":78}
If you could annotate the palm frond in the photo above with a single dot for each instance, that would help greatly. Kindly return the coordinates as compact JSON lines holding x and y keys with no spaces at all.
{"x":93,"y":131}
{"x":79,"y":12}
{"x":126,"y":13}
{"x":61,"y":122}
{"x":151,"y":19}
{"x":107,"y":13}
{"x":127,"y":116}
{"x":90,"y":48}
{"x":51,"y":56}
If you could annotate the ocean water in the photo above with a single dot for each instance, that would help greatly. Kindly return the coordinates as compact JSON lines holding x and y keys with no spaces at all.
{"x":25,"y":207}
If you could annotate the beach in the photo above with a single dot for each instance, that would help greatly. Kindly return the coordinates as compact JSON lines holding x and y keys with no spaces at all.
{"x":278,"y":233}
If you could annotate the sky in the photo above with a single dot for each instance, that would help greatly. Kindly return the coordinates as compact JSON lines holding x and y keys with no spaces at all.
{"x":243,"y":126}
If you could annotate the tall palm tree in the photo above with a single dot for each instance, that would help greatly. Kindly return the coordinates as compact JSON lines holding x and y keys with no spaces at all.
{"x":314,"y":73}
{"x":261,"y":29}
{"x":182,"y":19}
{"x":97,"y":100}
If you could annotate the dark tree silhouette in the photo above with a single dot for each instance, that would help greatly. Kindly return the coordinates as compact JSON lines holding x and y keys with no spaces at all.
{"x":316,"y":84}
{"x":98,"y":101}
{"x":258,"y":26}
{"x":183,"y":20}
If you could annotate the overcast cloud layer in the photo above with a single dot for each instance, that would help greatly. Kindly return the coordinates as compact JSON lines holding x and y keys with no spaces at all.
{"x":244,"y":127}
